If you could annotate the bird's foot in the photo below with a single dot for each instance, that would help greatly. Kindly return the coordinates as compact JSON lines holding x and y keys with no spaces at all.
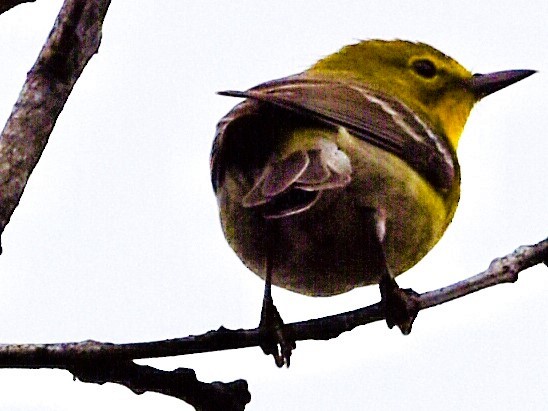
{"x":401,"y":305}
{"x":275,"y":338}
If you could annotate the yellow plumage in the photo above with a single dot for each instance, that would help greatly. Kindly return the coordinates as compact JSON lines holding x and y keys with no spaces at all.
{"x":346,"y":174}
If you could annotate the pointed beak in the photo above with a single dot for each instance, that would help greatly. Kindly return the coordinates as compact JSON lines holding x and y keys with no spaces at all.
{"x":484,"y":84}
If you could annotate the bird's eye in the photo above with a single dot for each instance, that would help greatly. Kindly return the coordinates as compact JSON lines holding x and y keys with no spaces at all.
{"x":424,"y":68}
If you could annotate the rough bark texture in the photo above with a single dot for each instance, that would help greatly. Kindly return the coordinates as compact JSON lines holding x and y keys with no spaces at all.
{"x":74,"y":39}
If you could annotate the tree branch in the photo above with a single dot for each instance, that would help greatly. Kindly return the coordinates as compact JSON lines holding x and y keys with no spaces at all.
{"x":92,"y":361}
{"x":180,"y":383}
{"x":74,"y":39}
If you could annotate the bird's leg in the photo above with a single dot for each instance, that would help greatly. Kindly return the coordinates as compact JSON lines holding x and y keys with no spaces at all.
{"x":400,"y":304}
{"x":274,"y":336}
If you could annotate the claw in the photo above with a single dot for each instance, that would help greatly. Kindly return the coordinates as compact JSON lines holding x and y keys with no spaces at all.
{"x":401,"y":305}
{"x":274,"y":336}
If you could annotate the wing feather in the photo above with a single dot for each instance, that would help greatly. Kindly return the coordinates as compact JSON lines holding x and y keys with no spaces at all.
{"x":374,"y":117}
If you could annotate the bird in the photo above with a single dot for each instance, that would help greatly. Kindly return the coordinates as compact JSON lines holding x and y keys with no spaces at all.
{"x":346,"y":174}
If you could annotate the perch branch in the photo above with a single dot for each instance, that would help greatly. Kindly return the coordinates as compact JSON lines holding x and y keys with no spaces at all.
{"x":92,"y":361}
{"x":74,"y":39}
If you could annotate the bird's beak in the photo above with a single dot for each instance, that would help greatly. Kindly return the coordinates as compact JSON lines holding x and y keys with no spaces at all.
{"x":484,"y":84}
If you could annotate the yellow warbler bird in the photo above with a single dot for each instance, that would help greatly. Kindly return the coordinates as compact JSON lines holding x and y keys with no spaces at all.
{"x":346,"y":174}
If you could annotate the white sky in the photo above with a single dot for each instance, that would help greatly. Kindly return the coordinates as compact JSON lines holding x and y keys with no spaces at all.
{"x":117,"y":236}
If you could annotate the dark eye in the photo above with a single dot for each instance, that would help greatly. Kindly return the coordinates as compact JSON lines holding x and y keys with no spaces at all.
{"x":424,"y":68}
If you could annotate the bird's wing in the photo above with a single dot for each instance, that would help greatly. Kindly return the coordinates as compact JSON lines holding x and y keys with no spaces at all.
{"x":374,"y":117}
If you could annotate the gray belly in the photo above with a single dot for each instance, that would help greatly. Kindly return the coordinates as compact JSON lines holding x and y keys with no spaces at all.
{"x":333,"y":247}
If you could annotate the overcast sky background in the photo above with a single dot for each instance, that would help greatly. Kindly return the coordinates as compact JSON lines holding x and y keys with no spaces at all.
{"x":117,"y":236}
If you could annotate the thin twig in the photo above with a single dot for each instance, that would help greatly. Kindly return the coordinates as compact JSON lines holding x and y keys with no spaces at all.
{"x":501,"y":270}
